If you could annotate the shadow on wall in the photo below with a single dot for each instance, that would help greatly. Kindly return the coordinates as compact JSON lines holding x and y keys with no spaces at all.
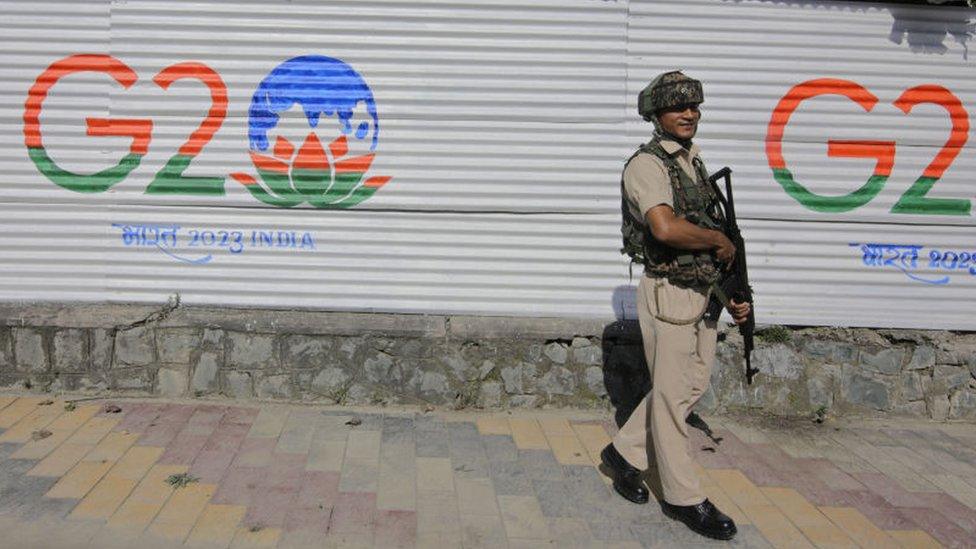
{"x":924,"y":28}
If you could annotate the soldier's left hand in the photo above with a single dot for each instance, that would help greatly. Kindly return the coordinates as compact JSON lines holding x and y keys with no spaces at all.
{"x":739,"y":311}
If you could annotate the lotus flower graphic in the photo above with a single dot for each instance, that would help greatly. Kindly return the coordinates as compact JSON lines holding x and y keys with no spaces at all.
{"x":323,"y":176}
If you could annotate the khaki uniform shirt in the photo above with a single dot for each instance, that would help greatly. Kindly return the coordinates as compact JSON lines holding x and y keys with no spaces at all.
{"x":647,"y":182}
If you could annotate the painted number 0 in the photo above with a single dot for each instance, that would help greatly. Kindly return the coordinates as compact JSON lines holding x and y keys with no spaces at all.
{"x":913,"y":201}
{"x":170,"y":179}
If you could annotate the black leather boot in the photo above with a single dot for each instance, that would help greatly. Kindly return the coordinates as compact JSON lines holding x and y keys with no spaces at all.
{"x":703,"y":518}
{"x":626,"y":478}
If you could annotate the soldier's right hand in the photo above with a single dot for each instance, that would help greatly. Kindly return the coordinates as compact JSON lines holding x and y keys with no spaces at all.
{"x":724,"y":249}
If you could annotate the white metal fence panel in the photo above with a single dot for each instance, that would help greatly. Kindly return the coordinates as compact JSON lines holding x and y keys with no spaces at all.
{"x":830,"y":114}
{"x":421,"y":156}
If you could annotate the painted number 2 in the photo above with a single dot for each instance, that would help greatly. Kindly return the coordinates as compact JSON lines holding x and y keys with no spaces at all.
{"x":169,"y":179}
{"x":913,"y":201}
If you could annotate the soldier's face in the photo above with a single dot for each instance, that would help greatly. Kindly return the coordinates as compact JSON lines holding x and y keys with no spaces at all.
{"x":680,"y":121}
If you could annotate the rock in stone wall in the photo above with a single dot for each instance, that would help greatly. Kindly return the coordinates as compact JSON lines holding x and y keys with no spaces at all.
{"x":349,"y":358}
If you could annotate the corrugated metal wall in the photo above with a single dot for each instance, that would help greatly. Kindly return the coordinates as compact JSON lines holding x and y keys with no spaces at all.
{"x":502,"y":126}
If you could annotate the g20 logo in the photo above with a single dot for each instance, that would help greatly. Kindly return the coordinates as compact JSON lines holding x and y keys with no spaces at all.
{"x":323,"y":176}
{"x":913,"y":201}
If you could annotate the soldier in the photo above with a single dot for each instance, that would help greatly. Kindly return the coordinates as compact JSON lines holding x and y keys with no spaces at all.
{"x":672,"y":224}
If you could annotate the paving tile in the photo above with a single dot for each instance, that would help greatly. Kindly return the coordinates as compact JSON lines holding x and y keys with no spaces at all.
{"x":482,"y":531}
{"x":136,"y":416}
{"x":240,"y":485}
{"x":181,"y":511}
{"x":397,"y":485}
{"x":467,"y":452}
{"x":61,"y":460}
{"x":437,"y":512}
{"x":395,"y":529}
{"x":951,"y":508}
{"x":879,"y":511}
{"x":15,"y":411}
{"x":239,"y":415}
{"x":890,"y":491}
{"x":570,"y":532}
{"x":740,"y":489}
{"x":166,"y":425}
{"x":556,"y":426}
{"x":76,"y":483}
{"x":914,"y":539}
{"x":955,"y":487}
{"x":326,"y":454}
{"x":184,"y":449}
{"x":216,"y":526}
{"x":499,"y":448}
{"x":269,"y":422}
{"x":360,"y":466}
{"x":476,"y":497}
{"x":775,"y":527}
{"x":493,"y":425}
{"x":298,"y":432}
{"x":746,"y":433}
{"x":145,"y":501}
{"x":568,"y":450}
{"x":48,"y":533}
{"x":249,"y":537}
{"x":750,"y":537}
{"x":511,"y":478}
{"x":760,"y":463}
{"x":38,"y":418}
{"x":7,"y":401}
{"x":941,"y":528}
{"x":557,"y":498}
{"x":527,"y":434}
{"x":717,"y":495}
{"x":255,"y":452}
{"x":204,"y":420}
{"x":432,"y":443}
{"x":311,"y":509}
{"x":61,"y":430}
{"x":523,"y":517}
{"x":22,"y":495}
{"x":354,"y":512}
{"x":814,"y":525}
{"x":278,"y":489}
{"x":93,"y":431}
{"x":795,"y":446}
{"x":593,"y":437}
{"x":540,"y":464}
{"x":220,"y":451}
{"x":334,"y":425}
{"x":398,"y":430}
{"x":831,"y":475}
{"x":302,"y":539}
{"x":362,"y":444}
{"x":112,"y":447}
{"x":883,"y":462}
{"x":950,"y":452}
{"x":106,"y":496}
{"x":435,"y":474}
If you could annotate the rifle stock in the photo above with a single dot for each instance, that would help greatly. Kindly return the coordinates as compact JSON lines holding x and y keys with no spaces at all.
{"x":735,"y":284}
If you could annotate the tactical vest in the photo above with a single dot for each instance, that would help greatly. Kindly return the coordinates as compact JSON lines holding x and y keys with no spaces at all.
{"x":695,"y":200}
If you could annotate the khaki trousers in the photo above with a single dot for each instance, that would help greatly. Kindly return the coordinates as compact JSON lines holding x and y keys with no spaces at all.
{"x":680,"y":350}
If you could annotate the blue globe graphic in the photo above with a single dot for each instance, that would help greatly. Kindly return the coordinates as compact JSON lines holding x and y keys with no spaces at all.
{"x":321,"y":86}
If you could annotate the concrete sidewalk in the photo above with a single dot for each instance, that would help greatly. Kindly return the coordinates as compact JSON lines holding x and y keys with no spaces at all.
{"x":219,"y":474}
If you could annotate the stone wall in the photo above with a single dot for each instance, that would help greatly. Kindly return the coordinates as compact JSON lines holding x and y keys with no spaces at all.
{"x":352,"y":358}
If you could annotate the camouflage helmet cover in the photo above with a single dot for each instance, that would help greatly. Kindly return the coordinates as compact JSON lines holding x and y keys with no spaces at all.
{"x":668,"y":89}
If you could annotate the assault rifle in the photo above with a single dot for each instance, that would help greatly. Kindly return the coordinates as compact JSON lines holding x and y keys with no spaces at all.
{"x":735,"y":282}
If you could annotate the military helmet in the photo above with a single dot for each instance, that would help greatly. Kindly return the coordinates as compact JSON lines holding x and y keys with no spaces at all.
{"x":668,"y":89}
